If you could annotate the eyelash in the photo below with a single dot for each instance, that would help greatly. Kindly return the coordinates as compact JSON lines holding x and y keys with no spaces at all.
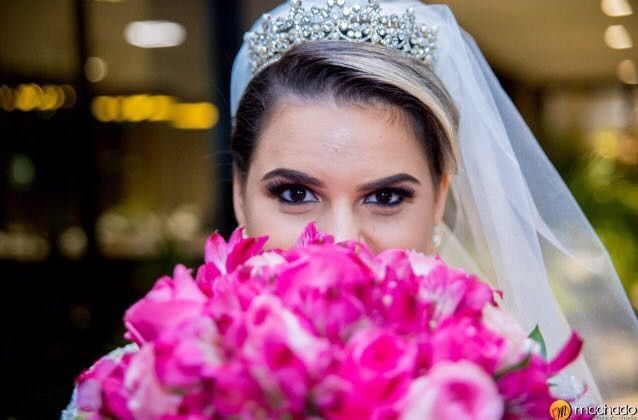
{"x":277,"y":188}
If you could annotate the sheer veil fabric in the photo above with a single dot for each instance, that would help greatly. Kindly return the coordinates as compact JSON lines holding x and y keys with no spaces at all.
{"x":511,"y":219}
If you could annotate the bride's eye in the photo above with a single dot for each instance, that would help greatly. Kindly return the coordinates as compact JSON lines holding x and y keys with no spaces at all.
{"x":292,"y":193}
{"x":388,"y":197}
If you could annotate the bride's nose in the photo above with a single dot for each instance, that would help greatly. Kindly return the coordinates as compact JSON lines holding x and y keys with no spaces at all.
{"x":343,"y":224}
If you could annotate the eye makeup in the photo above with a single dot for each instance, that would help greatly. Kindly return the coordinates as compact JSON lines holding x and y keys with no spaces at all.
{"x":395,"y":196}
{"x":287,"y":192}
{"x":297,"y":194}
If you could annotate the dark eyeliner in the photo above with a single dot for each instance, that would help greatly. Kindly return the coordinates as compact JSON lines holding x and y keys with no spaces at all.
{"x":277,"y":187}
{"x":401,"y":191}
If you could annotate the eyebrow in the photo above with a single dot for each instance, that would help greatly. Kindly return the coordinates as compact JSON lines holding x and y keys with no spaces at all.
{"x":299,"y":177}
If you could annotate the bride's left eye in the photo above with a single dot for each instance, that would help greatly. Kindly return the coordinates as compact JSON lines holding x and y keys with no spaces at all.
{"x":388,"y":197}
{"x":293,"y":194}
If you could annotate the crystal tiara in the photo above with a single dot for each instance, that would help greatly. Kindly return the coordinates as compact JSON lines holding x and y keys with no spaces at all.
{"x":335,"y":21}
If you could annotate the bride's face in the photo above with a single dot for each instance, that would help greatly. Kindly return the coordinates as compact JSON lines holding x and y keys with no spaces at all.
{"x":357,"y":170}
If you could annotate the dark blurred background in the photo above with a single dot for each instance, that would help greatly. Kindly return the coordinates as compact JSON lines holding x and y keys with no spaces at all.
{"x":114,"y":124}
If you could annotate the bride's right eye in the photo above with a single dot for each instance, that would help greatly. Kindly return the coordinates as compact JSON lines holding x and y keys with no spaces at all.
{"x":292,"y":194}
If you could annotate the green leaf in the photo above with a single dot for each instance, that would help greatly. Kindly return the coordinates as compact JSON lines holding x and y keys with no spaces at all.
{"x":538,"y":337}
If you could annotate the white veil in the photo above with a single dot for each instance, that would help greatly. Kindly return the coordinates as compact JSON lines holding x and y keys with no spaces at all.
{"x":511,"y":219}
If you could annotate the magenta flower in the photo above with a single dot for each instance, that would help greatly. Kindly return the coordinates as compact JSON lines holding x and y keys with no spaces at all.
{"x":89,"y":396}
{"x":322,"y":330}
{"x":461,"y":390}
{"x":227,"y":256}
{"x":527,"y":387}
{"x":464,"y":338}
{"x":375,"y":373}
{"x":149,"y":398}
{"x":171,"y":301}
{"x":189,"y":355}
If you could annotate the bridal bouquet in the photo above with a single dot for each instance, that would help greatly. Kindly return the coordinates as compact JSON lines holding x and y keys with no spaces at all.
{"x":321,"y":330}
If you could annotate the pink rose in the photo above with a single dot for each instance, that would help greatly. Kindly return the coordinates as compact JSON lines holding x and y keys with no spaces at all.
{"x":312,"y":236}
{"x":396,"y":304}
{"x":407,"y":263}
{"x":460,"y":391}
{"x":327,"y":286}
{"x":230,"y":298}
{"x":268,"y":316}
{"x":422,"y":264}
{"x":237,"y":394}
{"x":171,"y":301}
{"x":454,"y":292}
{"x":321,"y":267}
{"x":462,"y":337}
{"x":526,"y":389}
{"x":101,"y":390}
{"x":517,"y":345}
{"x":149,"y":399}
{"x":114,"y":394}
{"x":265,"y":263}
{"x":284,"y":355}
{"x":377,"y":370}
{"x":89,"y":396}
{"x":221,"y":258}
{"x":187,"y":356}
{"x":225,"y":257}
{"x":434,"y":290}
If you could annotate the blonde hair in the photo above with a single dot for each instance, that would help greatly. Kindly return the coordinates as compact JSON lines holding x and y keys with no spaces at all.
{"x":352,"y":73}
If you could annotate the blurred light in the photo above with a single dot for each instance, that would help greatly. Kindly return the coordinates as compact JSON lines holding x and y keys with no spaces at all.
{"x":28,"y":97}
{"x":72,"y":242}
{"x":137,"y":108}
{"x":142,"y":107}
{"x":105,"y":108}
{"x":137,"y":234}
{"x":616,"y":8}
{"x":626,"y":72}
{"x":163,"y":108}
{"x":22,"y":171}
{"x":69,"y":96}
{"x":617,"y":37}
{"x":184,"y":223}
{"x":32,"y":97}
{"x":195,"y":116}
{"x":6,"y":98}
{"x":108,"y":226}
{"x":52,"y":98}
{"x":606,"y":143}
{"x":95,"y":69}
{"x":154,"y":34}
{"x":21,"y":245}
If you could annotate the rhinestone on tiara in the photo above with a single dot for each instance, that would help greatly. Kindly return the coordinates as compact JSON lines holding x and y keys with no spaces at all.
{"x":336,"y":21}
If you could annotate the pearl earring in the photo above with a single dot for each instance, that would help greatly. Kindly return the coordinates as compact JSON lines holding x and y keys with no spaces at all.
{"x":437,"y":236}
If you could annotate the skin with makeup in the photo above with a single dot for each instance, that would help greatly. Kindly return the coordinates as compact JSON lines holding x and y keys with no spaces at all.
{"x":357,"y":170}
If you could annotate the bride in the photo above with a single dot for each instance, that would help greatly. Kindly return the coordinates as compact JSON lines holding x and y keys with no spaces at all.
{"x":394,"y":131}
{"x":383,"y":123}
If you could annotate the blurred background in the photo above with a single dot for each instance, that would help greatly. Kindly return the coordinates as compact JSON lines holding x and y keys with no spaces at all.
{"x":114,"y":124}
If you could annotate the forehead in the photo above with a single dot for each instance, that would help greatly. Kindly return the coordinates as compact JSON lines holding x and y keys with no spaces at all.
{"x":328,"y":139}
